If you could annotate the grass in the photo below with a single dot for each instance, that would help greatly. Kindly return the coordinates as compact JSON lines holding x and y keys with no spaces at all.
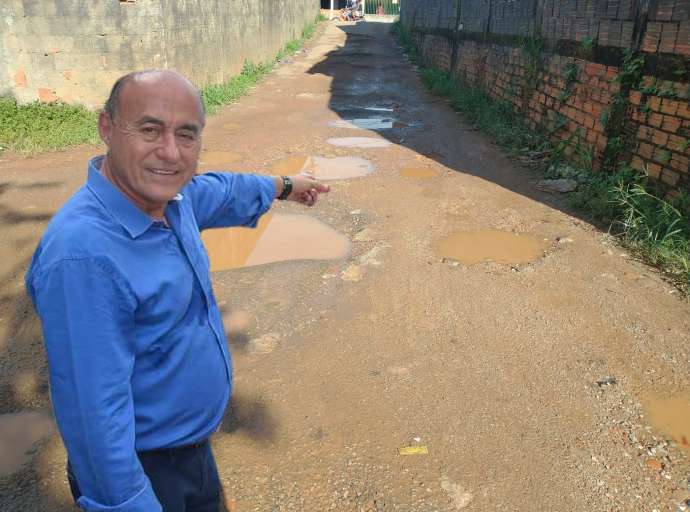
{"x":41,"y":127}
{"x":38,"y":127}
{"x":654,"y":227}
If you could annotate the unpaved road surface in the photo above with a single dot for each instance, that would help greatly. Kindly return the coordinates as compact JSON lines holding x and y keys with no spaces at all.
{"x":525,"y":382}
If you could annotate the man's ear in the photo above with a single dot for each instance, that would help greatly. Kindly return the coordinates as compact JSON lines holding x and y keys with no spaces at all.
{"x":105,"y":127}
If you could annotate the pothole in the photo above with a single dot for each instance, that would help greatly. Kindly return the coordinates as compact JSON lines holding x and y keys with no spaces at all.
{"x":364,"y":123}
{"x":277,"y":238}
{"x":497,"y":246}
{"x":670,"y":415}
{"x":359,"y":142}
{"x":337,"y":168}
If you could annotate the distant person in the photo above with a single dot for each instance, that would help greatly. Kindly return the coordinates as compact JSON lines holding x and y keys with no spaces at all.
{"x":140,"y":373}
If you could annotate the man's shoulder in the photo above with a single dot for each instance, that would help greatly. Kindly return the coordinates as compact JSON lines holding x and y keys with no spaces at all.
{"x":80,"y":228}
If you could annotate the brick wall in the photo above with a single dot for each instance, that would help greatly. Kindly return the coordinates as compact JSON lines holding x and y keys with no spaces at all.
{"x":570,"y":95}
{"x":72,"y":50}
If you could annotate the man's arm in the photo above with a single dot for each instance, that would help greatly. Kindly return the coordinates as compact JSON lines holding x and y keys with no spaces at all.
{"x":87,"y":312}
{"x":228,"y":199}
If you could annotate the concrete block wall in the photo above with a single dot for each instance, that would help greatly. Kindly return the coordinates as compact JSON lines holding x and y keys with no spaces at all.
{"x":576,"y":83}
{"x":72,"y":50}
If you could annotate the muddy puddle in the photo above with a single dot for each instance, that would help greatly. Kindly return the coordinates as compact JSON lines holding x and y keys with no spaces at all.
{"x":364,"y":123}
{"x":419,"y":172}
{"x":324,"y":169}
{"x":359,"y":142}
{"x":276,"y":238}
{"x":18,"y":434}
{"x":671,"y":416}
{"x":497,"y":246}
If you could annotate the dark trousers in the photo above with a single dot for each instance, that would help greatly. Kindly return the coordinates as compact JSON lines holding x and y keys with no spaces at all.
{"x":184,"y":479}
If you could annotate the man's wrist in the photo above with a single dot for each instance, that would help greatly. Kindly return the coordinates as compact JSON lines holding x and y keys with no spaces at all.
{"x":287,"y":188}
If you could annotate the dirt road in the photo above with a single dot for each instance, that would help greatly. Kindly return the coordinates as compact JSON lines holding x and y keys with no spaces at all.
{"x":529,"y":383}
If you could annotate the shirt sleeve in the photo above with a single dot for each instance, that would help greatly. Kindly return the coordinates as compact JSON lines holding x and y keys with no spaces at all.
{"x":228,"y":199}
{"x":87,"y":311}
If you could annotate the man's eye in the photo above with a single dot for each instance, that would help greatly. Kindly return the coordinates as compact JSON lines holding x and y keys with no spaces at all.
{"x":149,"y":130}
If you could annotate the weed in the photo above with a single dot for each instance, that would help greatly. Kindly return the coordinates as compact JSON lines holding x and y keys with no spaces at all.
{"x":654,"y":228}
{"x":44,"y":126}
{"x":38,"y":127}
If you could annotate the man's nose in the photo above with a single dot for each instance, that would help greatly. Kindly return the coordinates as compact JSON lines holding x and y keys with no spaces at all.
{"x":169,"y":149}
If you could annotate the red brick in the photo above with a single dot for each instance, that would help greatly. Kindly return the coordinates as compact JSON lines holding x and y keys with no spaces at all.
{"x":591,"y":136}
{"x":670,"y":177}
{"x":635,"y":97}
{"x":653,"y":170}
{"x":46,"y":95}
{"x":659,"y":138}
{"x":643,"y":133}
{"x":20,"y":79}
{"x":669,"y":106}
{"x":654,"y":103}
{"x":655,"y":120}
{"x":637,"y":163}
{"x":589,"y":121}
{"x":594,"y":69}
{"x":680,"y":163}
{"x":601,"y":142}
{"x":671,"y":124}
{"x":677,"y":143}
{"x":684,"y":110}
{"x":645,"y":150}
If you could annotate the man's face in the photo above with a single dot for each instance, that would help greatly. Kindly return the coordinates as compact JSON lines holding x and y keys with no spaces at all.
{"x":154,"y":140}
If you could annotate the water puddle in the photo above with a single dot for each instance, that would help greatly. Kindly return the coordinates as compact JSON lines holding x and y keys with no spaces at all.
{"x":670,"y":415}
{"x":18,"y":434}
{"x":497,"y":246}
{"x":359,"y":142}
{"x":211,"y":158}
{"x":276,"y":238}
{"x":324,"y":169}
{"x":379,"y":109}
{"x":418,"y":172}
{"x":364,"y":123}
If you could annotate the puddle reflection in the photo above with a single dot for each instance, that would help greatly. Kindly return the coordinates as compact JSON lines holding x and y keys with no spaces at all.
{"x":497,"y":246}
{"x":367,"y":123}
{"x":324,"y":169}
{"x":276,"y":238}
{"x":359,"y":142}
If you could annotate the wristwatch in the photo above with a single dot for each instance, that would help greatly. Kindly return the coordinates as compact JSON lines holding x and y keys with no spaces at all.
{"x":287,"y":188}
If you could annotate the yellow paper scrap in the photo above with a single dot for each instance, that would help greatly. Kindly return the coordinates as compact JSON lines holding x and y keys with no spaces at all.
{"x":413,"y":450}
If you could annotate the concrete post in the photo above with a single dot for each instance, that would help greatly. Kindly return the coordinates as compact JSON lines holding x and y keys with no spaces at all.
{"x":331,"y":10}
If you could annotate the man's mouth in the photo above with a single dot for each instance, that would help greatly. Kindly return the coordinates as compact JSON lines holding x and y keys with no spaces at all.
{"x":162,"y":172}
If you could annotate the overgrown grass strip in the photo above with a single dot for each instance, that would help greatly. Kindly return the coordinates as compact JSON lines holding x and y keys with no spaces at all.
{"x":39,"y":127}
{"x":654,"y":227}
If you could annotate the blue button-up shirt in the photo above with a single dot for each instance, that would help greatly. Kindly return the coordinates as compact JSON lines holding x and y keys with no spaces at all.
{"x":135,"y":342}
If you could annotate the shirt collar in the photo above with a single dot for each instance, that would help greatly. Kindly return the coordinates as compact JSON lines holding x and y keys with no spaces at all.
{"x":118,"y":205}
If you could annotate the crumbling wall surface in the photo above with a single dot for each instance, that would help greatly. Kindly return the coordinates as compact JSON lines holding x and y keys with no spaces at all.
{"x":609,"y":76}
{"x":72,"y":50}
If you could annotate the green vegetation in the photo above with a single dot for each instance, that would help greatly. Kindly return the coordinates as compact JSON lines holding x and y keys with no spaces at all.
{"x":38,"y":127}
{"x":216,"y":96}
{"x":656,"y":228}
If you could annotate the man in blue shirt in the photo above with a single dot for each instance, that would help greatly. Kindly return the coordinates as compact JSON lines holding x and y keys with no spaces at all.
{"x":140,"y":373}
